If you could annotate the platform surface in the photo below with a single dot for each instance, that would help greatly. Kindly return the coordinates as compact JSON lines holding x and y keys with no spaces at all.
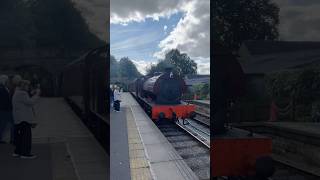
{"x":119,"y":154}
{"x":151,"y":156}
{"x":65,"y":148}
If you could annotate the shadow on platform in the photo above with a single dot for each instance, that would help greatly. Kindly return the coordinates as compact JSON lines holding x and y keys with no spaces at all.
{"x":14,"y":168}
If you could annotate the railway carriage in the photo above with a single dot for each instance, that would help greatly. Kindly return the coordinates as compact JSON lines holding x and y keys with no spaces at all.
{"x":83,"y":83}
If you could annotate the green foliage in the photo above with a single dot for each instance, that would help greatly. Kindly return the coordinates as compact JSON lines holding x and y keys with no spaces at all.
{"x":127,"y":68}
{"x":201,"y":90}
{"x":237,"y":21}
{"x":301,"y":87}
{"x":123,"y":69}
{"x":16,"y":25}
{"x":44,"y":23}
{"x":113,"y":67}
{"x":181,"y":61}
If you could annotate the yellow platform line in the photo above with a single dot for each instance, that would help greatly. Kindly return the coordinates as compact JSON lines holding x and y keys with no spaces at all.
{"x":139,"y":166}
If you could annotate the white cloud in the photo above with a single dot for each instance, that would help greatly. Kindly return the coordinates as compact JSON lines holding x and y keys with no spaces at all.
{"x":124,"y":11}
{"x":191,"y":35}
{"x":203,"y":65}
{"x":142,"y":66}
{"x":96,"y":14}
{"x":299,"y":20}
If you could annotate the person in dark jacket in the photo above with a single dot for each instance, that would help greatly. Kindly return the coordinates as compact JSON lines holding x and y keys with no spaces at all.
{"x":111,"y":97}
{"x":5,"y":106}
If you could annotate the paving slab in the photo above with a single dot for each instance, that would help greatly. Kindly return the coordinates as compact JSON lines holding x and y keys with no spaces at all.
{"x":15,"y":168}
{"x":66,"y":148}
{"x":119,"y":148}
{"x":151,"y":154}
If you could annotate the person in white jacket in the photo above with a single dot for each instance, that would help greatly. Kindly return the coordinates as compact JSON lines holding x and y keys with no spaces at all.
{"x":117,"y":99}
{"x":23,"y":116}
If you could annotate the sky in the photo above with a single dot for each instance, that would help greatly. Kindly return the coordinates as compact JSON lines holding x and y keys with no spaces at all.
{"x":145,"y":30}
{"x":299,"y":20}
{"x":96,"y":13}
{"x":158,"y":25}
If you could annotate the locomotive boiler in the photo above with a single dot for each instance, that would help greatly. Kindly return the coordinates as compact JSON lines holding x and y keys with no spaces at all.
{"x":160,"y":95}
{"x":164,"y":88}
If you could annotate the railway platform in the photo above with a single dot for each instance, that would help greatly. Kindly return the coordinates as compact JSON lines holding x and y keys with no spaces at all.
{"x":294,"y":143}
{"x":66,"y":149}
{"x":138,"y":148}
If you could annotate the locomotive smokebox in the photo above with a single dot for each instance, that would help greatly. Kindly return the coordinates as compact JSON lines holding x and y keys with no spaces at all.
{"x":166,"y":88}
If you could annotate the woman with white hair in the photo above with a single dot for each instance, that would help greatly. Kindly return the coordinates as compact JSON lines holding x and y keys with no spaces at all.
{"x":117,"y":99}
{"x":5,"y":106}
{"x":23,"y":119}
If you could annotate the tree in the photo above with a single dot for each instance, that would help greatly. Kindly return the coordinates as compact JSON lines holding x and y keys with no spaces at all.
{"x":60,"y":24}
{"x":160,"y":67}
{"x":236,"y":21}
{"x":182,"y":63}
{"x":44,"y":23}
{"x":113,"y":67}
{"x":21,"y":32}
{"x":127,"y":68}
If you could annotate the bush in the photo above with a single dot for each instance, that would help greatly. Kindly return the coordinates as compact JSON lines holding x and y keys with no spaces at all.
{"x":201,"y":90}
{"x":300,"y":87}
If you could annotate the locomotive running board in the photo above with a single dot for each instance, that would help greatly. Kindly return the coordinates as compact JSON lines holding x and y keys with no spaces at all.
{"x":194,"y":134}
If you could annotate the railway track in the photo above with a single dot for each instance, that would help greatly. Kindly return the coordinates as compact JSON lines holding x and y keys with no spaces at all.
{"x":285,"y":172}
{"x":186,"y":139}
{"x":202,"y":118}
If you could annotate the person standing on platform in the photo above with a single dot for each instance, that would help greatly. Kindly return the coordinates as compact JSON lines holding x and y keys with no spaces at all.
{"x":111,"y":97}
{"x":23,"y":116}
{"x":117,"y":99}
{"x":5,"y":106}
{"x":14,"y":82}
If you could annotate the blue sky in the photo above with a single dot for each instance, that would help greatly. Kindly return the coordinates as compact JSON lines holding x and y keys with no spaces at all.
{"x":139,"y":40}
{"x":145,"y":31}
